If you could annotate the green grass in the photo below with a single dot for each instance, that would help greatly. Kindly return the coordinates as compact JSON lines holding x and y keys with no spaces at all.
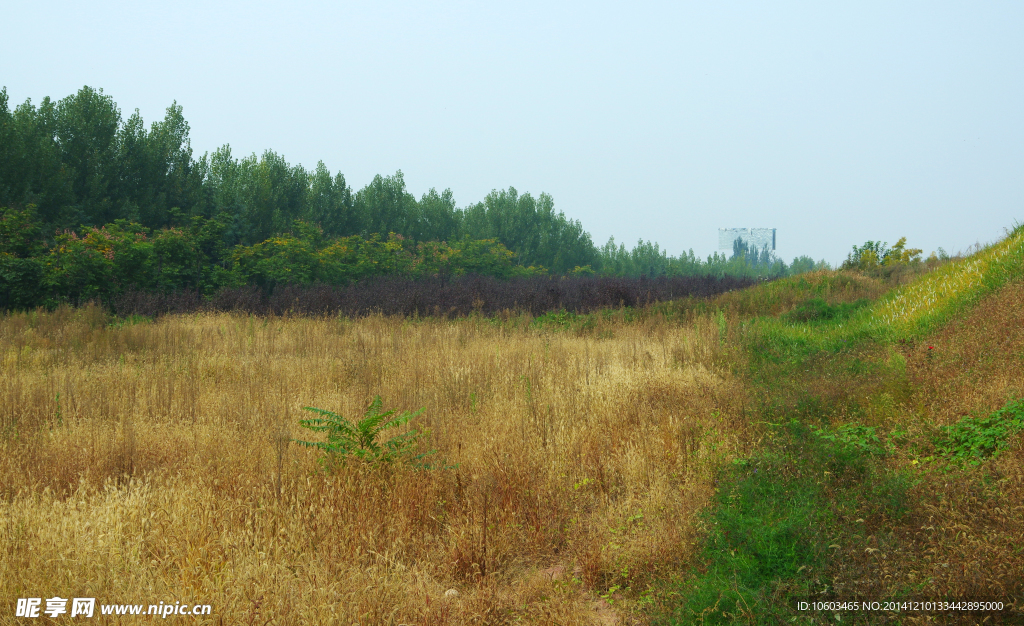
{"x":130,"y":320}
{"x":775,"y":516}
{"x":777,"y":512}
{"x":909,"y":312}
{"x":817,"y":310}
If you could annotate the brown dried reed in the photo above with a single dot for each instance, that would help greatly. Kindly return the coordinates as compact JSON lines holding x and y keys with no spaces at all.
{"x":152,"y":462}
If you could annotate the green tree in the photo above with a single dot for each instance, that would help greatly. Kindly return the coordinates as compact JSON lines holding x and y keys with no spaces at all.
{"x":439,"y":219}
{"x":329,"y":203}
{"x":279,"y":260}
{"x":86,"y":131}
{"x":99,"y":264}
{"x":31,"y":171}
{"x":385,"y":206}
{"x":21,"y":269}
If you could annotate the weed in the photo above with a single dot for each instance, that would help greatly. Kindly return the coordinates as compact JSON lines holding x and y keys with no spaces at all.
{"x":362,"y":440}
{"x":852,"y":437}
{"x":129,"y":320}
{"x":889,"y":493}
{"x":972,"y":440}
{"x":58,"y":417}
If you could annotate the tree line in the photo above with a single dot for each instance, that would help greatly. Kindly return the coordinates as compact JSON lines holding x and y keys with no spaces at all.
{"x":75,"y":172}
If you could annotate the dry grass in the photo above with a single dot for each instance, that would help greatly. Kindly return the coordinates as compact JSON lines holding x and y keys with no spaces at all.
{"x":963,"y":535}
{"x":163,"y":469}
{"x":948,"y":283}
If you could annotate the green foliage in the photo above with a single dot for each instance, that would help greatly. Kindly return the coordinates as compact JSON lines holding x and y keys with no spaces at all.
{"x":764,"y":539}
{"x":775,"y":516}
{"x":852,"y":437}
{"x":99,"y":264}
{"x":531,"y":229}
{"x":803,"y":264}
{"x":385,"y":206}
{"x":876,"y":254}
{"x":486,"y":257}
{"x":817,"y":310}
{"x":564,"y":321}
{"x":85,"y":171}
{"x":363,"y":440}
{"x":130,"y":320}
{"x":20,"y":282}
{"x":648,"y":259}
{"x":810,"y":488}
{"x":21,"y":271}
{"x":972,"y":440}
{"x":279,"y":260}
{"x":20,"y":232}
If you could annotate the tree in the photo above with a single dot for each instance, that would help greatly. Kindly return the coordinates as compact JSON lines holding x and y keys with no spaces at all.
{"x":31,"y":171}
{"x":21,"y":269}
{"x":86,"y":132}
{"x":385,"y":206}
{"x":329,"y":203}
{"x":439,"y":219}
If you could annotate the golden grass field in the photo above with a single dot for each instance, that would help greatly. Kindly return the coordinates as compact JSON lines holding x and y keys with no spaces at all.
{"x":152,"y":462}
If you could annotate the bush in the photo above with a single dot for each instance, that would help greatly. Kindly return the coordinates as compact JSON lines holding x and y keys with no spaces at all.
{"x":363,"y":440}
{"x":461,"y":296}
{"x":972,"y":440}
{"x":817,"y":310}
{"x":876,"y":254}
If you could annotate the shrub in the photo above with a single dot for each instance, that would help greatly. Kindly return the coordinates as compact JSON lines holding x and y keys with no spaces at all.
{"x":972,"y":440}
{"x":816,"y":309}
{"x":855,"y":437}
{"x":877,"y":253}
{"x":363,"y":440}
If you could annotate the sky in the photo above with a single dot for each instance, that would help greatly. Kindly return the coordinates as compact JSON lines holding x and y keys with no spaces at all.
{"x":835,"y":123}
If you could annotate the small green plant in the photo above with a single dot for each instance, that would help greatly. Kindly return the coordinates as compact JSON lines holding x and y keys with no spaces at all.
{"x":852,"y":437}
{"x":609,"y":596}
{"x":363,"y":440}
{"x":972,"y":440}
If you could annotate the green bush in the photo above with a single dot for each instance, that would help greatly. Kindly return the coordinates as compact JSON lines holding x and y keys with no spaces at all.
{"x":363,"y":440}
{"x":20,"y":282}
{"x":817,"y":310}
{"x":852,"y":437}
{"x":972,"y":440}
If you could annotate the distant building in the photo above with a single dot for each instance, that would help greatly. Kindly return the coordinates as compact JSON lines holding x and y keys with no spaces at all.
{"x":755,"y":238}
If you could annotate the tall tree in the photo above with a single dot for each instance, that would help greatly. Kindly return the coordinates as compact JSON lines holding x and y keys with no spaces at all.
{"x":329,"y":203}
{"x":385,"y":206}
{"x":86,"y":132}
{"x":175,"y":182}
{"x":439,"y":219}
{"x":31,"y":171}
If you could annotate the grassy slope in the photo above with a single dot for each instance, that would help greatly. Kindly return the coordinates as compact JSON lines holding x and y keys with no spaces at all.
{"x":849,"y":496}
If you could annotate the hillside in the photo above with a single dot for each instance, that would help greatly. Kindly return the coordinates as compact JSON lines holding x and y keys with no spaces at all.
{"x":892,"y":454}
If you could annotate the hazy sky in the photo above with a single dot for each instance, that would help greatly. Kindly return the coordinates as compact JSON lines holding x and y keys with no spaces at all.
{"x":833,"y":122}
